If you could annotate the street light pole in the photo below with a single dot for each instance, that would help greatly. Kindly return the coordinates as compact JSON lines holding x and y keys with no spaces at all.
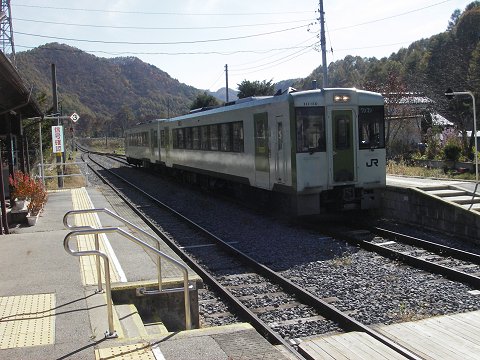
{"x":449,"y":94}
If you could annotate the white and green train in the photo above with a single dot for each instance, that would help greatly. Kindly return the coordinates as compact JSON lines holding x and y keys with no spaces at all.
{"x":319,"y":149}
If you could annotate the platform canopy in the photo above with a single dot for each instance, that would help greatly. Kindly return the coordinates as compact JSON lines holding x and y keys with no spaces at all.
{"x":15,"y":97}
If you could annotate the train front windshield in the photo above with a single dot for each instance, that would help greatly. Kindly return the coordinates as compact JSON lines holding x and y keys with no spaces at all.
{"x":371,"y":127}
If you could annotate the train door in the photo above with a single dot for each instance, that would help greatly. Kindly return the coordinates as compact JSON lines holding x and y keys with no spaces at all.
{"x":343,"y":146}
{"x":262,"y":151}
{"x":280,"y":168}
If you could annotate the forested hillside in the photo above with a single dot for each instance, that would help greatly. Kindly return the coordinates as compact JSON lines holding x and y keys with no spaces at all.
{"x":448,"y":60}
{"x":110,"y":94}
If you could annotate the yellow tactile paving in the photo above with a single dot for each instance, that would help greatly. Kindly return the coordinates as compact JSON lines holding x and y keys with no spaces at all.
{"x":141,"y":351}
{"x":81,"y":201}
{"x":27,"y":320}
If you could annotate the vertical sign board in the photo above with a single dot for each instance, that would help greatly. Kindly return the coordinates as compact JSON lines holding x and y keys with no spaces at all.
{"x":57,"y":139}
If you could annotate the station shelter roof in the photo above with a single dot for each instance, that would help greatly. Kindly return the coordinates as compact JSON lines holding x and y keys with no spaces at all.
{"x":15,"y":97}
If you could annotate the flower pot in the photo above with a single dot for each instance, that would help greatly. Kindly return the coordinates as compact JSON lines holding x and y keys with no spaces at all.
{"x":19,"y":204}
{"x":32,"y":219}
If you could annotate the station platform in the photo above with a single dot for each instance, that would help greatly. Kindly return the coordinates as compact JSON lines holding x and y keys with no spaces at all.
{"x":49,"y":307}
{"x":452,"y":337}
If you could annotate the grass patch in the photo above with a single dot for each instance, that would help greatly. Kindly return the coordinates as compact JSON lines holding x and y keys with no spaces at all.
{"x":401,"y":168}
{"x":111,"y":145}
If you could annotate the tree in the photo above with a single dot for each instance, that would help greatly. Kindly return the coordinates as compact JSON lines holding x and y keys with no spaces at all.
{"x":256,"y":88}
{"x":204,"y":100}
{"x":123,"y":120}
{"x":454,"y":19}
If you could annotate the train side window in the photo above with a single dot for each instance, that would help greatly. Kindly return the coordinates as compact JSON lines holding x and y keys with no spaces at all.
{"x":213,"y":129}
{"x":175,"y":138}
{"x":204,"y":143}
{"x":196,"y":138}
{"x":238,"y":136}
{"x":371,"y":127}
{"x":162,"y":138}
{"x":310,"y":129}
{"x":181,"y":138}
{"x":226,"y":137}
{"x":155,"y":138}
{"x":188,"y":138}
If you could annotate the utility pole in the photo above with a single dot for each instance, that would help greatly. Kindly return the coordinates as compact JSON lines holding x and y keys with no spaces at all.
{"x":323,"y":45}
{"x":6,"y":30}
{"x":226,"y":81}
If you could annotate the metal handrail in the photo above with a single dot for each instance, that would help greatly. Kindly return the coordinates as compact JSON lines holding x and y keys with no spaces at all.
{"x":86,"y":230}
{"x":124,"y":221}
{"x":110,"y":333}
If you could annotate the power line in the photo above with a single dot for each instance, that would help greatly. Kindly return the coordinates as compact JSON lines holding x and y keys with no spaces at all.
{"x":389,"y":17}
{"x":162,"y":43}
{"x":161,"y":13}
{"x":297,"y":46}
{"x":123,"y":53}
{"x":293,"y":56}
{"x":160,"y":28}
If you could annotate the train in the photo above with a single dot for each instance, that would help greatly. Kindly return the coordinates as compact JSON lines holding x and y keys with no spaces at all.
{"x":317,"y":150}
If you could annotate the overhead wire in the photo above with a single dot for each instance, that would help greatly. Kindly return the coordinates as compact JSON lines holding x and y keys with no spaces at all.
{"x":390,"y":17}
{"x":274,"y":64}
{"x":123,"y":53}
{"x":197,"y":13}
{"x":162,"y":27}
{"x":162,"y":42}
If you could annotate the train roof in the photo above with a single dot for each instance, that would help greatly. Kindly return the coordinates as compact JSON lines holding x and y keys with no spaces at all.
{"x":363,"y":96}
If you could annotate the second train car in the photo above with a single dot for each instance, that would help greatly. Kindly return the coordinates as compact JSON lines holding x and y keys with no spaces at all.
{"x":319,"y":149}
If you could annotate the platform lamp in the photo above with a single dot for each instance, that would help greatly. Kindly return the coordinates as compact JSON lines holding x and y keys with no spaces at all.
{"x":450,"y":94}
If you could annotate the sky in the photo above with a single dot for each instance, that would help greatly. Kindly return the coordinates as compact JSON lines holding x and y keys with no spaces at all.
{"x":193,"y":40}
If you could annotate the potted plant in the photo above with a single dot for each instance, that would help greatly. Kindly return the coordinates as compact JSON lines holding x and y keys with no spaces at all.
{"x":21,"y":189}
{"x":38,"y":198}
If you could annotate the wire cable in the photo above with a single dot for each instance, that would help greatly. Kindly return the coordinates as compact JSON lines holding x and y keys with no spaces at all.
{"x":162,"y":43}
{"x":161,"y":28}
{"x":159,"y":13}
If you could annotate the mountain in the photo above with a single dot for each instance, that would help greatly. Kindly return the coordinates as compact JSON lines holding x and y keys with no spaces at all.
{"x":101,"y":89}
{"x":220,"y":94}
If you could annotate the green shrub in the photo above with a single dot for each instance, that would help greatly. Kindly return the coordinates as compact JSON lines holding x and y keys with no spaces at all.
{"x":452,"y":151}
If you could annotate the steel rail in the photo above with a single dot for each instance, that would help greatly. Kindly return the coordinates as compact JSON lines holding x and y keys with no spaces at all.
{"x":326,"y":309}
{"x":429,"y":245}
{"x":448,"y":272}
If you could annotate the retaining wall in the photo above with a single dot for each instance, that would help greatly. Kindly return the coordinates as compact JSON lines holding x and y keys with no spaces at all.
{"x":415,"y":207}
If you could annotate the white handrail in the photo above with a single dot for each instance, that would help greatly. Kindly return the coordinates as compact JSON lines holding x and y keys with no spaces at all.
{"x":87,"y":230}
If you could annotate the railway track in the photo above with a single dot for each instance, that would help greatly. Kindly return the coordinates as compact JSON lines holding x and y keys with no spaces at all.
{"x":280,"y":310}
{"x":455,"y":264}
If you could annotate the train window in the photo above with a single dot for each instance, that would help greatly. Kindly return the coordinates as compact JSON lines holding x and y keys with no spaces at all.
{"x":196,"y":138}
{"x":188,"y":138}
{"x":175,"y":138}
{"x":310,"y":129}
{"x":213,"y":129}
{"x":181,"y":138}
{"x":237,"y":136}
{"x":155,"y":138}
{"x":226,"y":137}
{"x":342,"y":132}
{"x":204,"y":143}
{"x":162,"y":138}
{"x":371,"y":127}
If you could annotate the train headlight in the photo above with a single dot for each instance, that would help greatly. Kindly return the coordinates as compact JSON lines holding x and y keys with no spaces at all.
{"x":341,"y":98}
